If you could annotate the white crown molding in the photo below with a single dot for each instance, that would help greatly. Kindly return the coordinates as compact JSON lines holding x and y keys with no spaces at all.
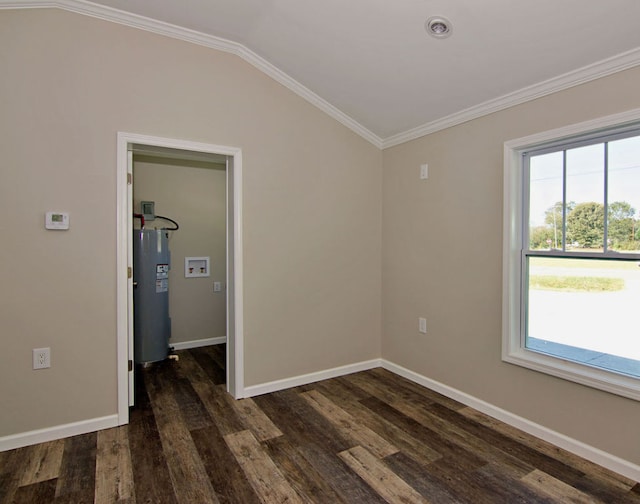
{"x":582,"y":75}
{"x":210,"y":41}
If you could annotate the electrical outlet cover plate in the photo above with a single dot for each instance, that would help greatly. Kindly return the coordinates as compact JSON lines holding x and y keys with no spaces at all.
{"x":41,"y":358}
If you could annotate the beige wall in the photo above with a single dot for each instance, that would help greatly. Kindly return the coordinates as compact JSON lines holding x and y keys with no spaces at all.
{"x":194,"y":195}
{"x":442,"y":259}
{"x":312,"y":208}
{"x":312,"y":237}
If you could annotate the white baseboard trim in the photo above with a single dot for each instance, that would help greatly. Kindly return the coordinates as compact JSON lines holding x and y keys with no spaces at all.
{"x":57,"y":432}
{"x":595,"y":455}
{"x":184,"y":345}
{"x":296,"y":381}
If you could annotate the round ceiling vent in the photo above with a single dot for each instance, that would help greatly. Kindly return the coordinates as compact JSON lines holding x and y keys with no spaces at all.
{"x":438,"y":26}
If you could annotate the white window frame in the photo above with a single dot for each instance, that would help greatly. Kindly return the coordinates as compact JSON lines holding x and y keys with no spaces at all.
{"x":514,"y":350}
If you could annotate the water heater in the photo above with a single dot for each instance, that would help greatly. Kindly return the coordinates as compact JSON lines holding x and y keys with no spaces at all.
{"x":151,"y":322}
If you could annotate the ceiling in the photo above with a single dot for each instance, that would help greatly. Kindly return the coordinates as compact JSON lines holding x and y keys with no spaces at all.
{"x":373,"y":61}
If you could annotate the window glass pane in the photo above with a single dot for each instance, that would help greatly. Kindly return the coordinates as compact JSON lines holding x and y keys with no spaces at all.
{"x":585,"y":198}
{"x":624,"y":194}
{"x":584,"y":310}
{"x":545,"y":201}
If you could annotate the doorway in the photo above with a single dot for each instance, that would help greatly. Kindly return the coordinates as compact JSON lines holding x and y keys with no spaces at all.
{"x":128,"y":145}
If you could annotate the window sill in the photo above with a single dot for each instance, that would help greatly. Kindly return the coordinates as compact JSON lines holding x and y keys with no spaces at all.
{"x":619,"y":384}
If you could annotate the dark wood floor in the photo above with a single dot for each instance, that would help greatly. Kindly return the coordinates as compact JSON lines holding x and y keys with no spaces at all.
{"x":369,"y":437}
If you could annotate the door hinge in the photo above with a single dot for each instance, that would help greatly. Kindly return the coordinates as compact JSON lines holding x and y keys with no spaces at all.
{"x":129,"y":272}
{"x":129,"y":179}
{"x":130,"y":365}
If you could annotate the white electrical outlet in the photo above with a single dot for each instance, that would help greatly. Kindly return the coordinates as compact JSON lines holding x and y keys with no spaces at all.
{"x":422,"y":325}
{"x":41,"y":358}
{"x":217,"y":286}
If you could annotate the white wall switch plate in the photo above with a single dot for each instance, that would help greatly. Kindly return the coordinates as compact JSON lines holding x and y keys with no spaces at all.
{"x":424,"y":171}
{"x":422,"y":325}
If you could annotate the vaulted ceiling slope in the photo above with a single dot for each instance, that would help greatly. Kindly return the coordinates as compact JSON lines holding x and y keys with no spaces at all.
{"x":372,"y":65}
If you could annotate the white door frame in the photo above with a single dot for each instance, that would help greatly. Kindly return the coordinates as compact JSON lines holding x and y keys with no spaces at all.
{"x":235,"y":357}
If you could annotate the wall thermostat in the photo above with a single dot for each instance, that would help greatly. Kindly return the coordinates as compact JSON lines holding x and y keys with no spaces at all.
{"x":56,"y":220}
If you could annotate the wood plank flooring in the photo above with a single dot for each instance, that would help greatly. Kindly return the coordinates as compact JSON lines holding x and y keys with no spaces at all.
{"x":369,"y":437}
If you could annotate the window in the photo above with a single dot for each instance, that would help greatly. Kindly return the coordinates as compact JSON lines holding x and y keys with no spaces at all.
{"x":572,"y":253}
